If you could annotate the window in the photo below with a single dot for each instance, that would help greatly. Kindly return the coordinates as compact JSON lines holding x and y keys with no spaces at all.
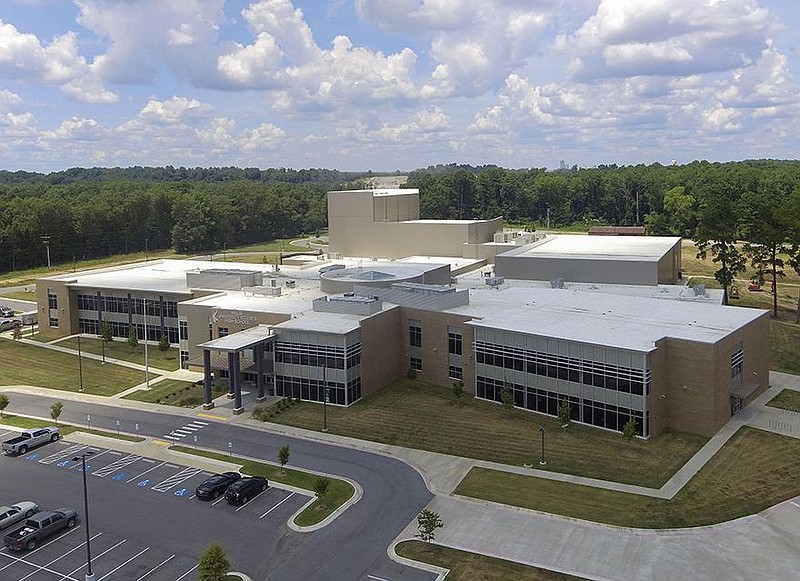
{"x":416,"y":364}
{"x":222,"y":331}
{"x":52,"y":300}
{"x":184,"y":330}
{"x":184,"y":359}
{"x":737,"y":364}
{"x":54,"y":322}
{"x":414,"y":334}
{"x":456,"y":373}
{"x":454,"y":342}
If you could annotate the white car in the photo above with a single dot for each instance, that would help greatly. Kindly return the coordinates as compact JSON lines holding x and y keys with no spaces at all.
{"x":11,"y":515}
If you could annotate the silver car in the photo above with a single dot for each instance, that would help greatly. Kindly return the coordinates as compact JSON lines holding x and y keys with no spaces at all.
{"x":10,"y":515}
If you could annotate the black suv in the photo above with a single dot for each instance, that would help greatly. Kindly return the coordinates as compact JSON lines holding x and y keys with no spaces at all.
{"x":215,"y":486}
{"x":243,"y":490}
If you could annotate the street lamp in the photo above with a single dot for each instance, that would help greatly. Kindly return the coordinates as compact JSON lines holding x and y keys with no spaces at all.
{"x":89,"y":574}
{"x":324,"y":398}
{"x":146,"y":360}
{"x":80,"y":364}
{"x":542,"y":462}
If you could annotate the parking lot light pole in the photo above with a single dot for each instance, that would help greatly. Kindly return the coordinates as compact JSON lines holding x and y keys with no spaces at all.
{"x":324,"y":398}
{"x":80,"y":364}
{"x":89,"y":574}
{"x":542,"y":462}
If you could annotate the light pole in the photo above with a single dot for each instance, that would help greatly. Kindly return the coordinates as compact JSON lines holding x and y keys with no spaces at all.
{"x":89,"y":574}
{"x":146,"y":360}
{"x":542,"y":462}
{"x":46,"y":240}
{"x":324,"y":398}
{"x":80,"y":364}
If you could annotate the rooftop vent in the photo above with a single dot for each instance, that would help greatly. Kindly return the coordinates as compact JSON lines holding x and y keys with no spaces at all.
{"x":290,"y":283}
{"x":699,"y":290}
{"x":494,"y":280}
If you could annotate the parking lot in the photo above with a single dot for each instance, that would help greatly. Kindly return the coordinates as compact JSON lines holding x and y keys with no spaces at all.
{"x":145,"y":520}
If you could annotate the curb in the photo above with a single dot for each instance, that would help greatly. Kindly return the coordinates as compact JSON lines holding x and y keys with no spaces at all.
{"x":441,"y":572}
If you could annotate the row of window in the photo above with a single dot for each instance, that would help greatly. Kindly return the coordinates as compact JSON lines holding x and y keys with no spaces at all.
{"x":587,"y":411}
{"x":626,"y":380}
{"x":122,"y":330}
{"x":318,"y":355}
{"x":314,"y":389}
{"x":112,"y":304}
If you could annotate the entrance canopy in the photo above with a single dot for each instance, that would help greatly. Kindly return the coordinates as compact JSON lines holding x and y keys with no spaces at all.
{"x":241,"y":340}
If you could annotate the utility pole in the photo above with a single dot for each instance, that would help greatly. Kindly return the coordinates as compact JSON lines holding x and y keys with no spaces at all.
{"x":46,"y":240}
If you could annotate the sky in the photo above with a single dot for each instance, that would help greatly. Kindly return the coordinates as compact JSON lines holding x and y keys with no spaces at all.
{"x":388,"y":85}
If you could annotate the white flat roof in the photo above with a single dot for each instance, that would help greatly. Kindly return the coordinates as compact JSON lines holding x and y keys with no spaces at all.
{"x":240,"y":339}
{"x":289,"y":302}
{"x":167,"y":276}
{"x":629,"y":322}
{"x":598,"y":247}
{"x":323,"y":322}
{"x":376,"y":192}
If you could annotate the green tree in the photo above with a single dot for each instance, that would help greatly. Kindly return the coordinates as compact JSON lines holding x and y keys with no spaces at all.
{"x":3,"y":403}
{"x":106,"y":333}
{"x":716,"y":232}
{"x":55,"y":411}
{"x":564,"y":413}
{"x":163,"y":344}
{"x":283,"y":456}
{"x":214,"y":564}
{"x":321,"y":486}
{"x":629,"y":428}
{"x":133,"y":339}
{"x":458,"y":390}
{"x":794,"y":239}
{"x":682,"y":211}
{"x":427,"y":523}
{"x":507,"y":398}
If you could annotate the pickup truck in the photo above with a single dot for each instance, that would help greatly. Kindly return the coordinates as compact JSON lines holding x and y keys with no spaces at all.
{"x":39,"y":527}
{"x":30,"y":439}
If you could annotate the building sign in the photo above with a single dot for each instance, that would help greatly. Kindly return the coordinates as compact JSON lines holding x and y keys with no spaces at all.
{"x":234,"y":317}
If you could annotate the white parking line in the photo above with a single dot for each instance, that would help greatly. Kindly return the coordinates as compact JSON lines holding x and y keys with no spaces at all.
{"x":187,"y":572}
{"x":276,"y":506}
{"x":140,"y":553}
{"x":36,"y":550}
{"x":61,"y":557}
{"x":220,"y":499}
{"x":252,"y":499}
{"x":93,"y":559}
{"x":113,"y":467}
{"x":93,"y":456}
{"x":145,"y":472}
{"x":71,"y":450}
{"x":175,"y":479}
{"x":164,"y":562}
{"x":376,"y":578}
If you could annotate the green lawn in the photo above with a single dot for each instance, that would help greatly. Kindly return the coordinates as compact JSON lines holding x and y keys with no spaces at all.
{"x":20,"y":296}
{"x":418,"y":415}
{"x":787,"y":399}
{"x":753,"y":471}
{"x":466,"y":566}
{"x":339,"y":491}
{"x":176,"y":393}
{"x":120,"y":349}
{"x":29,"y":365}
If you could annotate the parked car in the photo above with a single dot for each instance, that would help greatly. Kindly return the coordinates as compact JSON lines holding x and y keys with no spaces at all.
{"x":245,"y":489}
{"x":40,"y":527}
{"x":215,"y":486}
{"x":30,"y":439}
{"x":11,"y":515}
{"x":6,"y":312}
{"x":7,"y":324}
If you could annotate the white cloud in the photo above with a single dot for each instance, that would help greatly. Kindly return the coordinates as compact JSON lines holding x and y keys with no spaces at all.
{"x":171,"y":111}
{"x":77,"y":129}
{"x":10,"y":101}
{"x":265,"y":136}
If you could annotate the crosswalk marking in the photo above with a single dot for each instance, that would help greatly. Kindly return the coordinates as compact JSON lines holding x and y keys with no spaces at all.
{"x":70,"y":451}
{"x":113,"y":467}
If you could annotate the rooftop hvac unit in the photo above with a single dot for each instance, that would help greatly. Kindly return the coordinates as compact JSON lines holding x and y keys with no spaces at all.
{"x":290,"y":283}
{"x":699,"y":290}
{"x":557,"y":283}
{"x":494,"y":280}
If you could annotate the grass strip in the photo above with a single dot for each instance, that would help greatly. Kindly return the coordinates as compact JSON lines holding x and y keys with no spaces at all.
{"x":339,"y":491}
{"x":465,"y":566}
{"x":787,"y":399}
{"x":417,"y":415}
{"x":753,"y":471}
{"x":121,"y":349}
{"x":175,"y":393}
{"x":30,"y":423}
{"x":25,"y":364}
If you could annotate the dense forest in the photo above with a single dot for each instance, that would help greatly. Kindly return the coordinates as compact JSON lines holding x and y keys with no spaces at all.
{"x":93,"y":212}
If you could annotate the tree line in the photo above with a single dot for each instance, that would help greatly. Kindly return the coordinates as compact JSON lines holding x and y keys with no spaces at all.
{"x":737,"y":213}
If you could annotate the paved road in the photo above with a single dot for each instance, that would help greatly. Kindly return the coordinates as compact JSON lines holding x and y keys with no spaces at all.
{"x":353,"y":548}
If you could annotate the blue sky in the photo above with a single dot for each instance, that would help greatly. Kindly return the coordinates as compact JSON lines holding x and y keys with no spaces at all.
{"x":396,"y":84}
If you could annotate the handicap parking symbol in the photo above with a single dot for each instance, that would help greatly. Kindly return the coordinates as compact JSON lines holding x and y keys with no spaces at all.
{"x":120,"y":476}
{"x":144,"y":483}
{"x":181,"y":492}
{"x":63,"y":463}
{"x":32,"y":457}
